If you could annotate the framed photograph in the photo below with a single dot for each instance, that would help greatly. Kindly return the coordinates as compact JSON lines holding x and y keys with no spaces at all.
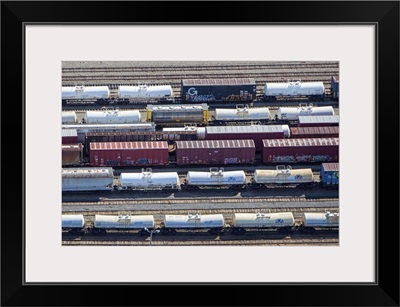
{"x":38,"y":37}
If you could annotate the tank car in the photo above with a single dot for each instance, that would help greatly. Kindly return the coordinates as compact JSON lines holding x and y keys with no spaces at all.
{"x":87,"y":179}
{"x":311,"y":221}
{"x":112,"y":116}
{"x":242,"y":113}
{"x":68,"y":117}
{"x":77,"y":94}
{"x":174,"y":114}
{"x":215,"y":177}
{"x":184,"y":133}
{"x":284,"y":176}
{"x":73,"y":223}
{"x":147,"y":180}
{"x":145,"y":93}
{"x":296,"y":89}
{"x":213,"y":223}
{"x":104,"y":223}
{"x":282,"y":221}
{"x":293,"y":114}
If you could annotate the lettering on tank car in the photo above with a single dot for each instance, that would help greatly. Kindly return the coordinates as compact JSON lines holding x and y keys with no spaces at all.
{"x":231,"y":179}
{"x":279,"y":221}
{"x":298,"y":177}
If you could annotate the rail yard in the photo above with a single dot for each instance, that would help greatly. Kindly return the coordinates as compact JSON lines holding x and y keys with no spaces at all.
{"x":200,"y":153}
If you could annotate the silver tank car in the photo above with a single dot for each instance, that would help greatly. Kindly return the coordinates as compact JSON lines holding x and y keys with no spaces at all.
{"x":293,"y":114}
{"x":112,"y":117}
{"x":147,"y":180}
{"x":183,"y":114}
{"x":85,"y":92}
{"x":68,"y":117}
{"x":123,"y":221}
{"x":310,"y":221}
{"x":294,"y":89}
{"x":83,"y":128}
{"x":70,"y":221}
{"x":215,"y":177}
{"x":283,"y":175}
{"x":87,"y":179}
{"x":178,"y":133}
{"x":242,"y":113}
{"x":145,"y":92}
{"x":280,"y":220}
{"x":194,"y":221}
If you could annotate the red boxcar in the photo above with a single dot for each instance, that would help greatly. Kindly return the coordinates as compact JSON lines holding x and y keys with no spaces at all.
{"x":314,"y":132}
{"x":129,"y":153}
{"x":301,"y":150}
{"x":255,"y":132}
{"x":69,"y":136}
{"x":71,"y":154}
{"x":318,"y":121}
{"x":215,"y":152}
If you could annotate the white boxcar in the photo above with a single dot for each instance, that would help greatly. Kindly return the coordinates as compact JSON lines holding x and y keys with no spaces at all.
{"x":145,"y":92}
{"x":85,"y":92}
{"x":87,"y":179}
{"x":215,"y":177}
{"x":282,"y":175}
{"x":194,"y":221}
{"x":320,"y":220}
{"x":294,"y":89}
{"x":147,"y":180}
{"x":123,"y":221}
{"x":112,"y":117}
{"x":68,"y":117}
{"x":263,"y":220}
{"x":174,"y":134}
{"x":72,"y":221}
{"x":294,"y":113}
{"x":242,"y":113}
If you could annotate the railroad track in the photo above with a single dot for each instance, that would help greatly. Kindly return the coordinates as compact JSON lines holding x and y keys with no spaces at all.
{"x":104,"y":201}
{"x":193,"y":238}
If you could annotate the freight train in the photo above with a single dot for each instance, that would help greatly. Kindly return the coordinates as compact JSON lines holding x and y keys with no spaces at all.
{"x":261,"y":148}
{"x":92,"y":179}
{"x":202,"y":90}
{"x":166,"y":115}
{"x":212,"y":223}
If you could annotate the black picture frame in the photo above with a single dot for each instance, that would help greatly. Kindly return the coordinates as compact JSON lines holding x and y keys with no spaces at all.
{"x":383,"y":14}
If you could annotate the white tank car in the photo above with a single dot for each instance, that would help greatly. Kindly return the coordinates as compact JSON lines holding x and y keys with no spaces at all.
{"x":174,"y":134}
{"x":215,"y":177}
{"x":123,"y":221}
{"x":320,"y":220}
{"x":68,"y":117}
{"x":194,"y":221}
{"x":85,"y":92}
{"x":145,"y":92}
{"x":82,"y":128}
{"x":263,"y":220}
{"x":69,"y":221}
{"x":242,"y":113}
{"x":87,"y":179}
{"x":294,"y":89}
{"x":294,"y":113}
{"x":283,"y":175}
{"x":147,"y":180}
{"x":112,"y":117}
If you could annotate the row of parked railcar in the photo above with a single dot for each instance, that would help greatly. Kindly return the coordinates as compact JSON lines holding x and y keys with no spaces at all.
{"x":202,"y":152}
{"x":202,"y":90}
{"x":88,"y":179}
{"x":197,"y":114}
{"x":212,"y":223}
